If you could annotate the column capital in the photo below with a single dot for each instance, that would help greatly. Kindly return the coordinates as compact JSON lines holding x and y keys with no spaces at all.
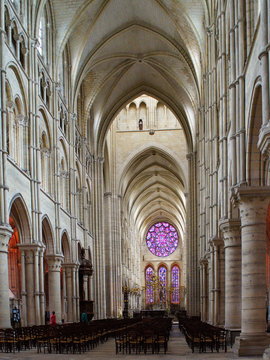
{"x":54,"y":262}
{"x":30,"y":247}
{"x":253,"y":203}
{"x":247,"y":194}
{"x":216,"y":241}
{"x":70,"y":265}
{"x":231,"y":229}
{"x":5,"y":234}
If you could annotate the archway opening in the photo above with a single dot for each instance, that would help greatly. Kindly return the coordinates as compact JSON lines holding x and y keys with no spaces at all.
{"x":145,"y":164}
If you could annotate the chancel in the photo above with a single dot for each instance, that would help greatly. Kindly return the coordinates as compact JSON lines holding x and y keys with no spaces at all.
{"x":135,"y":174}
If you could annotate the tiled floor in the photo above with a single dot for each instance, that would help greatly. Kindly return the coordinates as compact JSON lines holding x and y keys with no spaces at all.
{"x":177,"y":349}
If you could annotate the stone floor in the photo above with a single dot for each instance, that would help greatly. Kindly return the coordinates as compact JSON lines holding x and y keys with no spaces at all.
{"x":177,"y":349}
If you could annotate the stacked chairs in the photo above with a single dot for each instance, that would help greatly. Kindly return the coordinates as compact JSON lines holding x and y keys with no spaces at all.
{"x":148,"y":335}
{"x":203,"y":336}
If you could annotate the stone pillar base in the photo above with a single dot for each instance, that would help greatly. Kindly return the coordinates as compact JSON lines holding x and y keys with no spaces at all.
{"x":251,"y":344}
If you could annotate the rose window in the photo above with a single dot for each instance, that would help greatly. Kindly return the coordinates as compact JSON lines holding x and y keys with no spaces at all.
{"x":162,"y":239}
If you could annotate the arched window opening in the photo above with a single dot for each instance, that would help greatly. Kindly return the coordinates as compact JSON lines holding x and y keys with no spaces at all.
{"x":14,"y":37}
{"x":45,"y":162}
{"x":42,"y":35}
{"x":48,"y":95}
{"x":162,"y":277}
{"x":175,"y":284}
{"x":78,"y":200}
{"x":132,"y":113}
{"x":149,"y":286}
{"x":143,"y":112}
{"x":42,"y":84}
{"x":23,"y":52}
{"x":7,"y":24}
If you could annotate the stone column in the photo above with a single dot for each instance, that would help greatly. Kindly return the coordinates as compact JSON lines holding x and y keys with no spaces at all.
{"x":211,"y":285}
{"x":41,"y":286}
{"x":29,"y":281}
{"x":232,"y":244}
{"x":64,"y":294}
{"x":23,"y":291}
{"x":5,"y":233}
{"x":36,"y":293}
{"x":253,"y":204}
{"x":218,"y":293}
{"x":54,"y":266}
{"x":69,"y":284}
{"x":204,"y":290}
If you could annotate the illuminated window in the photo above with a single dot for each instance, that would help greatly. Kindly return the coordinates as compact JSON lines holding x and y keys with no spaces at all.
{"x":162,"y":239}
{"x":162,"y":276}
{"x":149,"y":292}
{"x":175,"y":299}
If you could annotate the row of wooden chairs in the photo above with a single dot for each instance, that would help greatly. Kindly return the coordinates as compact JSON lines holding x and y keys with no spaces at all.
{"x":202,"y":336}
{"x":148,"y":335}
{"x":66,"y":338}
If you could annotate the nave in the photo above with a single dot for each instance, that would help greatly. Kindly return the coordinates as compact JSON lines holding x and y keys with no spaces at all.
{"x":177,"y":349}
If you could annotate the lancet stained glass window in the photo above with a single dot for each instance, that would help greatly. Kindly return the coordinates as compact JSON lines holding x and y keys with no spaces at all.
{"x":162,"y":275}
{"x":162,"y":239}
{"x":175,"y":299}
{"x":149,"y":296}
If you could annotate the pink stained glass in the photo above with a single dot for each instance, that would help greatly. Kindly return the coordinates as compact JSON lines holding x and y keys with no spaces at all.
{"x":162,"y":239}
{"x":175,"y":299}
{"x":149,"y":296}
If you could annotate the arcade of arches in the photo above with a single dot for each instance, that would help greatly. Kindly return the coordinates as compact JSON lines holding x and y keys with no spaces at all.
{"x":134,"y":160}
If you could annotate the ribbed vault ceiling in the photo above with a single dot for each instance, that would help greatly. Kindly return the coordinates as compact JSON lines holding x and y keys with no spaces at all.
{"x":121,"y":48}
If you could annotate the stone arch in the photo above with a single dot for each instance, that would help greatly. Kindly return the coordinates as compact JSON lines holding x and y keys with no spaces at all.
{"x":47,"y":236}
{"x":64,"y":174}
{"x":131,"y":96}
{"x":254,"y":157}
{"x":143,"y":113}
{"x":19,"y":212}
{"x":45,"y":152}
{"x":150,"y":148}
{"x":65,"y":246}
{"x":175,"y":295}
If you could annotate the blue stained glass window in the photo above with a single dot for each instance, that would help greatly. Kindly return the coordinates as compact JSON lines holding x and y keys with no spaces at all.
{"x":149,"y":292}
{"x":162,"y":275}
{"x":175,"y":281}
{"x":162,"y":239}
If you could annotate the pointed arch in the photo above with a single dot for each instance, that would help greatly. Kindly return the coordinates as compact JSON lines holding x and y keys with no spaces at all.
{"x":175,"y":284}
{"x":19,"y":212}
{"x":65,"y":246}
{"x":47,"y":236}
{"x":149,"y":287}
{"x":254,"y":156}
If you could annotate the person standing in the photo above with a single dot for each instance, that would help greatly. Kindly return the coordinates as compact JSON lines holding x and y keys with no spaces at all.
{"x":53,"y":318}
